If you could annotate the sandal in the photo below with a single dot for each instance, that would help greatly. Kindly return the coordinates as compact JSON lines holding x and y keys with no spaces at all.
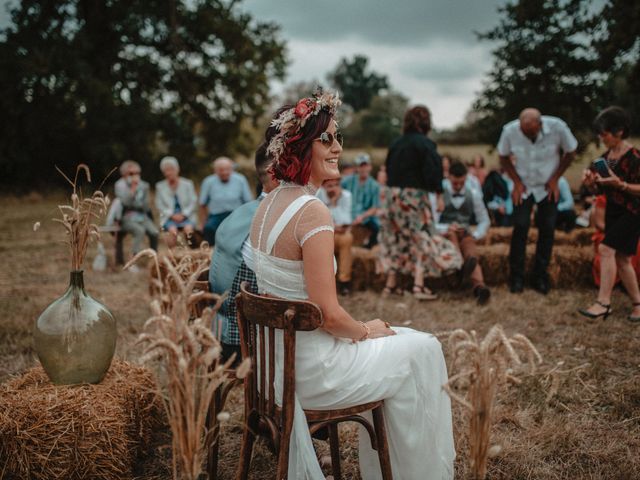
{"x":604,"y":315}
{"x":387,"y":291}
{"x":632,"y":318}
{"x":421,"y":292}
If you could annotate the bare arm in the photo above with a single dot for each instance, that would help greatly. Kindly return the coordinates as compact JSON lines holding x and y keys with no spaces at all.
{"x":317,"y":255}
{"x":518,"y":186}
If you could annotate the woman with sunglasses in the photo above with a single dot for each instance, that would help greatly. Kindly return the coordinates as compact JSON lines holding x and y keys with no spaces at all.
{"x":347,"y":362}
{"x":408,"y":239}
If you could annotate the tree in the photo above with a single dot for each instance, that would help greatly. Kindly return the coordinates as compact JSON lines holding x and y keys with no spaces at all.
{"x":98,"y":82}
{"x":616,"y":39}
{"x":379,"y":124}
{"x":541,"y":60}
{"x":357,"y":85}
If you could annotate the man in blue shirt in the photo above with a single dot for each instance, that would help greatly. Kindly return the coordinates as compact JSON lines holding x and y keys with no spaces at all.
{"x":220,"y":194}
{"x":228,"y":270}
{"x":365,"y":198}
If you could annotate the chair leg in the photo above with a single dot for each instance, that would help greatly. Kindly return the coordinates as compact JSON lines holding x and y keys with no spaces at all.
{"x":214,"y":447}
{"x":334,"y":444}
{"x":248,"y":438}
{"x":383,"y":445}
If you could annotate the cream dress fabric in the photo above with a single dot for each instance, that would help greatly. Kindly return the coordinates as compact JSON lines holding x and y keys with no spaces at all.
{"x":406,"y":370}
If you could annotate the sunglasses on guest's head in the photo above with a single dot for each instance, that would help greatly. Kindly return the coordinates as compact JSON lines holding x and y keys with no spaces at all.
{"x":327,"y":138}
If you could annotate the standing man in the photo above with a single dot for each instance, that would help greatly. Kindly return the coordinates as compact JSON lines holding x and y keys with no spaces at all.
{"x":464,"y":207}
{"x":339,"y":203}
{"x":543,"y":147}
{"x":365,"y":195}
{"x":220,"y":194}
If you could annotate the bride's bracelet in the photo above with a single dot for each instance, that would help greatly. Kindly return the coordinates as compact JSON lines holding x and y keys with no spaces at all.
{"x":367,"y":331}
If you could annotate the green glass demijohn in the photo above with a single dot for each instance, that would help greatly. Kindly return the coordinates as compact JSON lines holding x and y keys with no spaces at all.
{"x":75,"y":337}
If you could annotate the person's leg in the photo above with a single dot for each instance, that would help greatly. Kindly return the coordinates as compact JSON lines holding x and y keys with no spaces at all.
{"x":152,"y":232}
{"x":374,"y":228}
{"x":136,"y":229}
{"x":343,"y":243}
{"x":629,"y":280}
{"x":608,"y":271}
{"x":171,"y":236}
{"x":546,"y":222}
{"x":209,"y":230}
{"x":469,"y":250}
{"x":521,"y":219}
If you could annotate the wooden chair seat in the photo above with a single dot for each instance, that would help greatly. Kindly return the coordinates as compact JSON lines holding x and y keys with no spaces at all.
{"x":258,"y":318}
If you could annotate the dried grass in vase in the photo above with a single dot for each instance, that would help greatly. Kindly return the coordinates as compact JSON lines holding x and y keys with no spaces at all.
{"x":484,"y":366}
{"x":188,"y":355}
{"x":79,"y":217}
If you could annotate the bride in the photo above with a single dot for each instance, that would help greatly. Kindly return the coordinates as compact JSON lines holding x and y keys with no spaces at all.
{"x":347,"y":362}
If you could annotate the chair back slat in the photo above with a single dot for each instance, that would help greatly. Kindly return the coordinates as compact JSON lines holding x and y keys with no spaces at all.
{"x":262,"y":373}
{"x":258,"y":318}
{"x":272,"y":367}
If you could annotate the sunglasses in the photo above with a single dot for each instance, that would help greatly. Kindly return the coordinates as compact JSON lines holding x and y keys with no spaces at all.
{"x":328,"y":138}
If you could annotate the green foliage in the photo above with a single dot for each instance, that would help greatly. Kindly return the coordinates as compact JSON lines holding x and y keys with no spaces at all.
{"x":99,"y":82}
{"x":541,"y":60}
{"x":357,"y":85}
{"x":377,"y":125}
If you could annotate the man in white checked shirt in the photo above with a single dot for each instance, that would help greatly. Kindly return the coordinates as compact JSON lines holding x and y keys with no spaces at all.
{"x":543,"y":148}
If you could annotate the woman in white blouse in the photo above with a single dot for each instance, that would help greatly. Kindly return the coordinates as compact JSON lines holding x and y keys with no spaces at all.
{"x":176,"y":201}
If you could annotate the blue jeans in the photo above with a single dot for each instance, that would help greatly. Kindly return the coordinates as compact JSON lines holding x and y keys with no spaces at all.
{"x":211,"y":226}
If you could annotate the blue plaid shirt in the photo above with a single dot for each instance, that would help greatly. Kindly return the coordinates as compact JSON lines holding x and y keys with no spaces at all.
{"x":363,"y":195}
{"x":227,"y":313}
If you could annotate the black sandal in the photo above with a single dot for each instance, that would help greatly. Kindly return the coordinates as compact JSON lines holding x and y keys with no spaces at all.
{"x":633,"y":319}
{"x":594,"y":316}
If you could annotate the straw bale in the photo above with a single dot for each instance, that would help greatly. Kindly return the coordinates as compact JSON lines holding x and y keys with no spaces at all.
{"x":76,"y":432}
{"x":570,"y":266}
{"x":502,"y":235}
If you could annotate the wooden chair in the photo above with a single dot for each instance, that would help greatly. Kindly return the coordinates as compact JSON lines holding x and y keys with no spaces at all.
{"x":262,"y":416}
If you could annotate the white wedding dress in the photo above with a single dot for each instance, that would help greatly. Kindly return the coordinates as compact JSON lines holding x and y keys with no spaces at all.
{"x":406,"y":370}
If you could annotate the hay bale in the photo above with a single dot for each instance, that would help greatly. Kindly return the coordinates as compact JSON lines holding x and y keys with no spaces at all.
{"x":502,"y":235}
{"x":365,"y":274}
{"x":76,"y":432}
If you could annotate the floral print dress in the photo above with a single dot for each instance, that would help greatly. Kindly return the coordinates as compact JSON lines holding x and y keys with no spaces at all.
{"x":407,"y":236}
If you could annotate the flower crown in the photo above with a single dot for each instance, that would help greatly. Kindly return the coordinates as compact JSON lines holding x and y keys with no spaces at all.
{"x":292,"y":120}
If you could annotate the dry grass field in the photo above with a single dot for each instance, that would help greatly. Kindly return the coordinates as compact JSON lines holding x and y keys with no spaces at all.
{"x":578,"y":418}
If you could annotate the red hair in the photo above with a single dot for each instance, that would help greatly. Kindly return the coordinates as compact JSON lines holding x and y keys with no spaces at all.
{"x":294,"y":165}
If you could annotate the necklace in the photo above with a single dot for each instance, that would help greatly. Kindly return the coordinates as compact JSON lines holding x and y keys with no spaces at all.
{"x":309,"y":188}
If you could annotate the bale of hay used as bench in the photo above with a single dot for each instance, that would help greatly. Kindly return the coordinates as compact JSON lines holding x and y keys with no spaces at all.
{"x":502,"y":235}
{"x":365,"y":274}
{"x":77,"y":432}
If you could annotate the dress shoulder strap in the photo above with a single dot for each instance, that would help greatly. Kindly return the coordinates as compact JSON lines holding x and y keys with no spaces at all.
{"x":285,"y":218}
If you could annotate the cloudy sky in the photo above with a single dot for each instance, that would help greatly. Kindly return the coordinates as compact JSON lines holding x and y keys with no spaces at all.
{"x":427,"y":48}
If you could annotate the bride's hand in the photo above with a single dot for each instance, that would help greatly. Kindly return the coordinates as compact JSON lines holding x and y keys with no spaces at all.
{"x":378,"y":328}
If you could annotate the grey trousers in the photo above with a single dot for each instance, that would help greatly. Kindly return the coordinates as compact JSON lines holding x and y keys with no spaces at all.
{"x":138,"y":229}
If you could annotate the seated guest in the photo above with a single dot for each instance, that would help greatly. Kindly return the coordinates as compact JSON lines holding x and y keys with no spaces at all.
{"x":566,"y":219}
{"x":381,"y":177}
{"x":133,"y":194}
{"x":347,"y":168}
{"x":365,"y":195}
{"x":176,"y":201}
{"x":220,"y":194}
{"x":339,"y":203}
{"x":463,"y":206}
{"x":496,"y":192}
{"x":477,"y":169}
{"x":228,"y":270}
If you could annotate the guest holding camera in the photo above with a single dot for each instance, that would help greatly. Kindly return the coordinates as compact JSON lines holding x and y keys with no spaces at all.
{"x":617,"y":176}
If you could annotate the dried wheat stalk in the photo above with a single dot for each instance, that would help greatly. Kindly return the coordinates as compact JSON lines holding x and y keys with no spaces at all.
{"x":485,"y":366}
{"x":79,"y":218}
{"x":189,"y":358}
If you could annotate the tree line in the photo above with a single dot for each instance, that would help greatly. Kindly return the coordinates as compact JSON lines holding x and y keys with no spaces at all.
{"x":100,"y":82}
